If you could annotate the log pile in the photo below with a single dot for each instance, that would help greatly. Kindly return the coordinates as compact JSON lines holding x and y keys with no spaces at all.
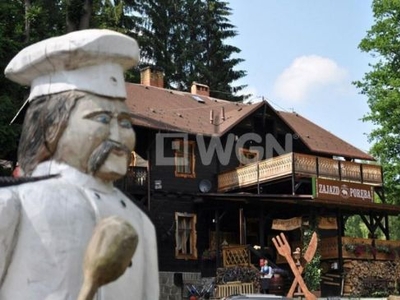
{"x":369,"y":278}
{"x":238,"y":273}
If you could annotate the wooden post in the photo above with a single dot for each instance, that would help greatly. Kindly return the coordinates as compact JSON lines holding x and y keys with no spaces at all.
{"x":242,"y":233}
{"x":262,"y":230}
{"x":218,"y":240}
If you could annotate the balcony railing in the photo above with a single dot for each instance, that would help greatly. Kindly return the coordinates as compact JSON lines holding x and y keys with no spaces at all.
{"x":302,"y":165}
{"x":134,"y":180}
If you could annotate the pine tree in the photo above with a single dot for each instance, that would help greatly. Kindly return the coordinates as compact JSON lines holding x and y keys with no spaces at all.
{"x":186,"y":39}
{"x":219,"y":70}
{"x":162,"y":39}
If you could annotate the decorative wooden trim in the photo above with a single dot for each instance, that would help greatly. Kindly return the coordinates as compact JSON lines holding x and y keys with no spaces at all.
{"x":235,"y":255}
{"x":305,"y":165}
{"x":191,"y":157}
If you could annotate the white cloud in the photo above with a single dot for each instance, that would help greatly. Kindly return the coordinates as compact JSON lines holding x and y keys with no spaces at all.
{"x":306,"y":74}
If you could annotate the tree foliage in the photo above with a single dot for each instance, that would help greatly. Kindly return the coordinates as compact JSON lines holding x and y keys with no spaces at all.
{"x":184,"y":37}
{"x":187,"y":39}
{"x":12,"y":37}
{"x":218,"y":71}
{"x":382,"y":87}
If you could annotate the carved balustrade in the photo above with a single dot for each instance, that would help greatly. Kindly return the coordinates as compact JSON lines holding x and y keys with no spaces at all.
{"x":302,"y":165}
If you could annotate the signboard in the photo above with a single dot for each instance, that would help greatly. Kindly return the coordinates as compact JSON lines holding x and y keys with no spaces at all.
{"x":327,"y":223}
{"x":297,"y":222}
{"x":286,"y":224}
{"x":333,"y":189}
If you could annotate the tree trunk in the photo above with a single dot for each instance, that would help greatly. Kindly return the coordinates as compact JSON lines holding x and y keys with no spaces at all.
{"x":78,"y":14}
{"x":86,"y":13}
{"x":27,"y":21}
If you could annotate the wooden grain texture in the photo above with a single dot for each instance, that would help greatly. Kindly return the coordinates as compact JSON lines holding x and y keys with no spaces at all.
{"x":283,"y":249}
{"x":308,"y":256}
{"x":108,"y":254}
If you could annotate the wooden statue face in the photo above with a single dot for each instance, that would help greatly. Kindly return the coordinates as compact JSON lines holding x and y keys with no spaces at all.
{"x":98,"y":138}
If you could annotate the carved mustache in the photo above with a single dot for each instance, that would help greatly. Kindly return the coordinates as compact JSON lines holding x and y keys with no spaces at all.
{"x":100,"y":154}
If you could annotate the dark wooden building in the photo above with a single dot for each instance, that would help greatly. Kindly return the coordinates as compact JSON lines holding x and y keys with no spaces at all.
{"x":212,"y":172}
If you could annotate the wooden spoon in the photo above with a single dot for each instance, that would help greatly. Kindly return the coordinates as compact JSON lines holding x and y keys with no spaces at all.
{"x":108,"y":254}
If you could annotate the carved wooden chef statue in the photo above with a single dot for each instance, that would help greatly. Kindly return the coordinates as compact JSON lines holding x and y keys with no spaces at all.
{"x":78,"y":126}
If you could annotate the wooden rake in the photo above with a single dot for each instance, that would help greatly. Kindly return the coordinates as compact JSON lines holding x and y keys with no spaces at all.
{"x":283,"y":248}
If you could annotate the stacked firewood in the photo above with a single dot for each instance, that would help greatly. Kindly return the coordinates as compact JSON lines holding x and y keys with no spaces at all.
{"x":238,"y":273}
{"x":368,"y":278}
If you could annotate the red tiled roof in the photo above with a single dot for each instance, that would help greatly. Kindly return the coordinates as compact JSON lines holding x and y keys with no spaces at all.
{"x":320,"y":140}
{"x":183,"y":112}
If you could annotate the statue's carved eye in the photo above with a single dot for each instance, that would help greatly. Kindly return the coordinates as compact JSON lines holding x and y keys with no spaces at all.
{"x":125,"y":123}
{"x":102,"y":118}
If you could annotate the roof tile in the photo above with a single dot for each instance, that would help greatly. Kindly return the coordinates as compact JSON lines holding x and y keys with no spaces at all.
{"x":176,"y":111}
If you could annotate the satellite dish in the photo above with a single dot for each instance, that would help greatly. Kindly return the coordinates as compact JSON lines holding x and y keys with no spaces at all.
{"x":205,"y":186}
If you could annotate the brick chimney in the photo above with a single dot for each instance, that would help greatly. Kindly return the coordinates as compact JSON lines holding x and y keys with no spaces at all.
{"x":152,"y":76}
{"x":200,"y":89}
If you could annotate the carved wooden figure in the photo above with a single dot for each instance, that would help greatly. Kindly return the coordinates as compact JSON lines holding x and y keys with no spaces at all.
{"x":77,"y":138}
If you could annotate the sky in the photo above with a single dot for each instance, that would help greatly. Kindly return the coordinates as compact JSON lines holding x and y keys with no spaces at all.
{"x":302,"y":56}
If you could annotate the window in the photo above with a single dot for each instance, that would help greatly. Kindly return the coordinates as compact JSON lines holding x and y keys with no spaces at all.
{"x":185,"y":236}
{"x":184,"y":159}
{"x":247,"y":156}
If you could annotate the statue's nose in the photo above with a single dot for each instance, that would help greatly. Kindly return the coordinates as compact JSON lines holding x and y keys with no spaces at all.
{"x":115,"y":131}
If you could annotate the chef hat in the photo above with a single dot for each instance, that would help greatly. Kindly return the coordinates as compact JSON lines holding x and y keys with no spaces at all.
{"x":92,"y":60}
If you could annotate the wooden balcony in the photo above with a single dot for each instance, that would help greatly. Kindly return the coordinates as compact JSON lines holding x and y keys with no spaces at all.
{"x":299,"y":165}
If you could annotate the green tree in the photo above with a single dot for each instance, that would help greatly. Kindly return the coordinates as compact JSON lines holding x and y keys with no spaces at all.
{"x":12,"y":37}
{"x":117,"y":15}
{"x":26,"y":22}
{"x":163,"y":34}
{"x":382,"y":87}
{"x":43,"y":19}
{"x":218,"y":70}
{"x":187,"y":39}
{"x":78,"y":14}
{"x":21,"y":23}
{"x":355,"y":227}
{"x":184,"y":37}
{"x":312,"y":271}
